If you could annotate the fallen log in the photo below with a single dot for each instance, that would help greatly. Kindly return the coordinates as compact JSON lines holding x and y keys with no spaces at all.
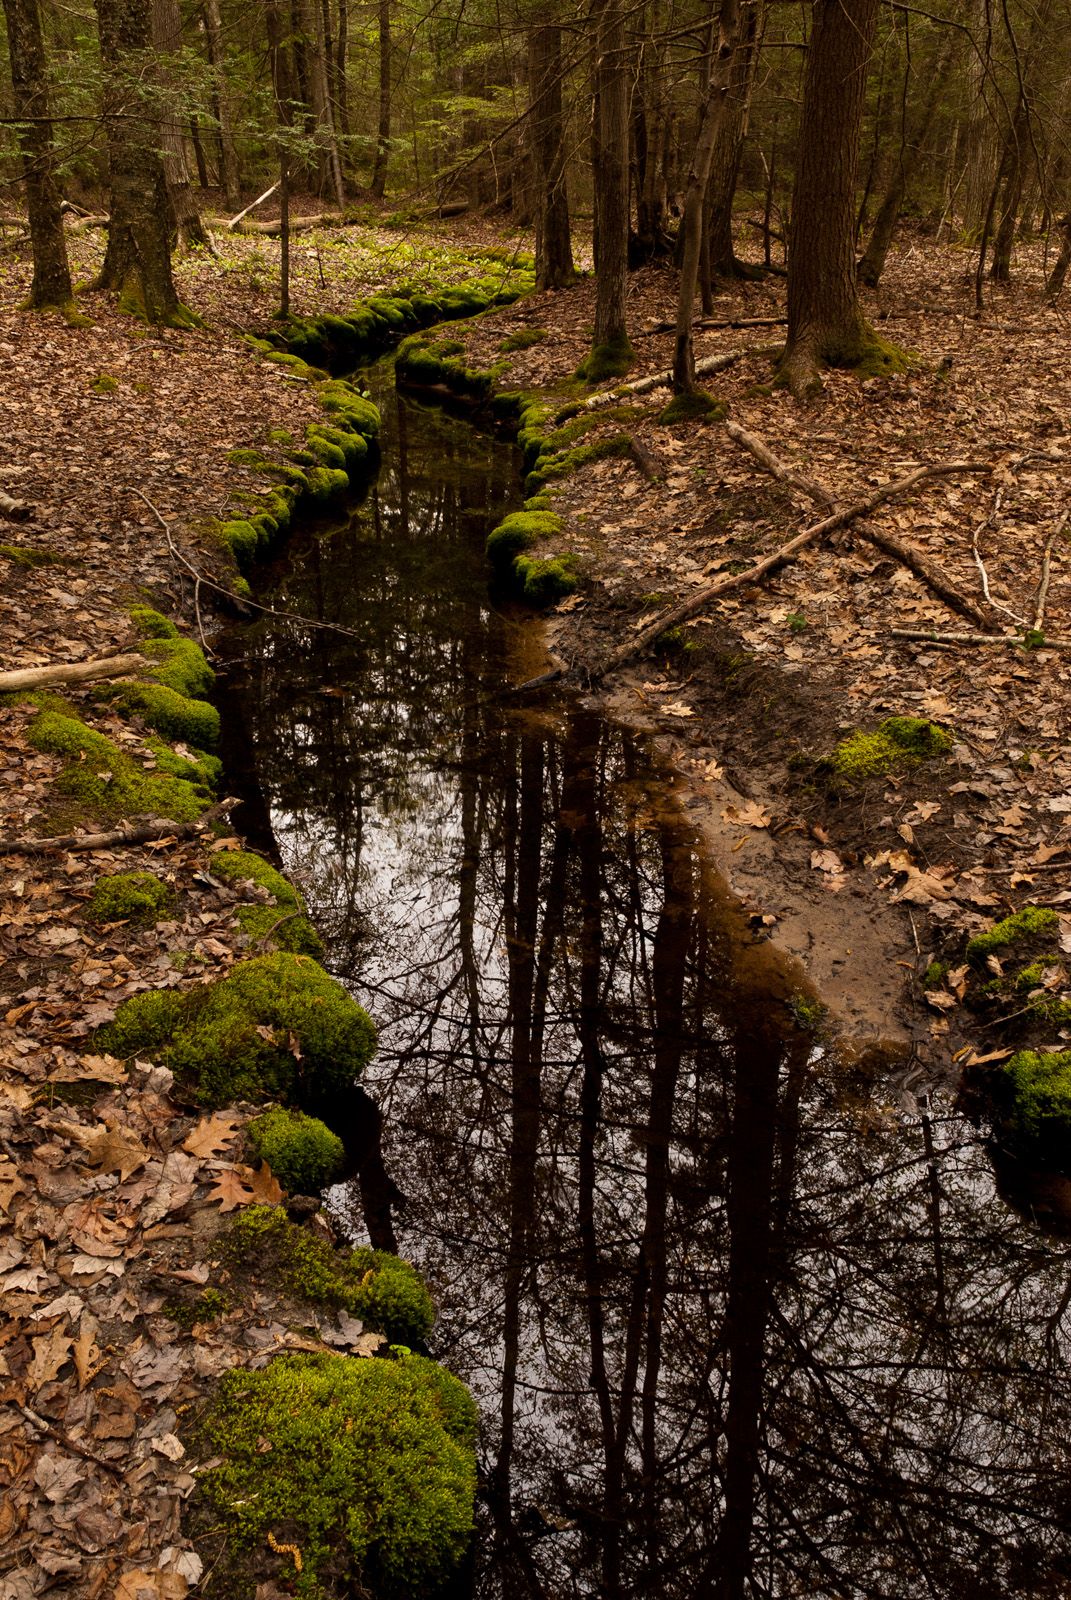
{"x":128,"y":833}
{"x":660,"y":380}
{"x":924,"y":636}
{"x":841,"y":518}
{"x":649,"y":462}
{"x":15,"y":510}
{"x":71,"y":672}
{"x":273,"y":230}
{"x":906,"y":554}
{"x":715,"y":322}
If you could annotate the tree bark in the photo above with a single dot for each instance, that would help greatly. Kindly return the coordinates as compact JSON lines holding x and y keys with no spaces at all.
{"x":715,"y":111}
{"x":138,"y":259}
{"x":379,"y":171}
{"x":825,"y":322}
{"x":611,"y":354}
{"x":228,"y":160}
{"x":51,"y":284}
{"x":319,"y":98}
{"x":185,"y":214}
{"x":554,"y":250}
{"x":721,"y":258}
{"x":872,"y":264}
{"x":1059,"y":272}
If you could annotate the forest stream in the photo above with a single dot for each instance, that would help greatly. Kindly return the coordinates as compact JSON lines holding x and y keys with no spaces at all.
{"x":745,"y":1313}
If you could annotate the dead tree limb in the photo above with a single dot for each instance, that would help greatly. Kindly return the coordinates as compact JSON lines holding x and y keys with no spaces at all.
{"x":1046,"y":572}
{"x":679,"y":613}
{"x":931,"y":637}
{"x":649,"y":462}
{"x":130,"y":833}
{"x":907,"y":555}
{"x":259,"y":201}
{"x":660,"y":380}
{"x":71,"y":672}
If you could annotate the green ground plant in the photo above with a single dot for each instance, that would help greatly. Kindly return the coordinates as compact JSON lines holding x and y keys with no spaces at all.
{"x":301,"y":1151}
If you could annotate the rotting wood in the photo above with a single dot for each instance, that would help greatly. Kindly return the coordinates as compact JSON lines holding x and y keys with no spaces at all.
{"x":130,"y":833}
{"x":71,"y":672}
{"x":685,"y":609}
{"x":906,"y":554}
{"x":15,"y":510}
{"x":660,"y":380}
{"x":715,"y":322}
{"x":922,"y":636}
{"x":649,"y":461}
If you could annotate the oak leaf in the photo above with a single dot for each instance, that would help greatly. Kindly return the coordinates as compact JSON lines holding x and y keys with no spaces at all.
{"x":211,"y":1134}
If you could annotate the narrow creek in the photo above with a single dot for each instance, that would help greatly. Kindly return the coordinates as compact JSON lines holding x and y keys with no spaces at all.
{"x":743,"y":1317}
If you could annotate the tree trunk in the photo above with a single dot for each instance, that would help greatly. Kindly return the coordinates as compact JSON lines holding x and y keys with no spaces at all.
{"x":725,"y":162}
{"x":138,"y":259}
{"x":715,"y":111}
{"x":316,"y":67}
{"x":51,"y":284}
{"x":341,"y":82}
{"x":872,"y":264}
{"x":554,"y":251}
{"x":185,"y":215}
{"x":611,"y":353}
{"x":825,"y":322}
{"x":1012,"y":169}
{"x":379,"y":171}
{"x":1063,"y":261}
{"x":228,"y":160}
{"x":279,"y":52}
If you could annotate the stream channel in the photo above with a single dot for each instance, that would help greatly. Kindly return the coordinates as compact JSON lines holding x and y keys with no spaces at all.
{"x":743,"y":1316}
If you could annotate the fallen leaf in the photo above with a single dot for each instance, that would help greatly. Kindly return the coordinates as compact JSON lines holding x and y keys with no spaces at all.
{"x":265,"y":1186}
{"x":826,"y":861}
{"x":749,"y":815}
{"x":211,"y":1134}
{"x":141,"y":1585}
{"x":229,"y":1191}
{"x":51,"y":1352}
{"x":87,"y":1355}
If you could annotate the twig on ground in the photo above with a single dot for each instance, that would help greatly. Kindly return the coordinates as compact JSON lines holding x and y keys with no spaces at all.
{"x":128,"y":833}
{"x":68,"y":1443}
{"x":1046,"y":572}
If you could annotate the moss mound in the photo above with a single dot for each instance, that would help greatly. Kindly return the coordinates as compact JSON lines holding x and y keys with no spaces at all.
{"x":544,"y":580}
{"x":276,"y":1027}
{"x":898,"y":743}
{"x":523,"y":339}
{"x":370,"y":1471}
{"x":519,"y":531}
{"x":174,"y":715}
{"x":104,"y":782}
{"x":129,"y":897}
{"x":383,"y":1290}
{"x":296,"y":933}
{"x":301,"y":1151}
{"x":1039,"y":1117}
{"x":611,"y":360}
{"x":1032,"y":922}
{"x":691,"y":407}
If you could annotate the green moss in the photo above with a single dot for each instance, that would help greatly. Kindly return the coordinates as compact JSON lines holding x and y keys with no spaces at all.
{"x":523,"y":339}
{"x":1032,"y":922}
{"x":618,"y":444}
{"x":934,"y":975}
{"x":1038,"y":1089}
{"x":104,"y":384}
{"x":369,"y":1469}
{"x":899,"y":742}
{"x":202,"y":770}
{"x":547,"y":579}
{"x":258,"y":922}
{"x":611,"y":360}
{"x":189,"y":1314}
{"x":383,"y":1290}
{"x":241,"y":538}
{"x":689,"y":407}
{"x":870,"y":356}
{"x":326,"y":484}
{"x":174,"y":715}
{"x":129,"y":897}
{"x":301,"y":1151}
{"x":152,"y":624}
{"x":104,"y":781}
{"x":232,"y":1039}
{"x":1030,"y":977}
{"x":21,"y":555}
{"x":519,"y":531}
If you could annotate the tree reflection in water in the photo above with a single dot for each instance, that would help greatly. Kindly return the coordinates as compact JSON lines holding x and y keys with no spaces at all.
{"x":742,"y":1318}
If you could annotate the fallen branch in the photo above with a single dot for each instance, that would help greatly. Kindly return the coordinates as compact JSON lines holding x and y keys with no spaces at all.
{"x":715,"y":322}
{"x":87,"y":224}
{"x":1046,"y":571}
{"x":259,"y":201}
{"x":44,"y":1426}
{"x":660,"y":380}
{"x":649,"y":463}
{"x":15,"y":510}
{"x":128,"y":833}
{"x":978,"y":638}
{"x":907,"y":555}
{"x":679,"y":613}
{"x":273,"y":229}
{"x":70,"y":672}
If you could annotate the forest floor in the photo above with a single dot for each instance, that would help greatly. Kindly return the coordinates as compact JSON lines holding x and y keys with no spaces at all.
{"x":111,"y":1197}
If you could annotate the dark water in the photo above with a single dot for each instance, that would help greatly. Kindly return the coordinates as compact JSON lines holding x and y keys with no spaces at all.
{"x":742,"y":1318}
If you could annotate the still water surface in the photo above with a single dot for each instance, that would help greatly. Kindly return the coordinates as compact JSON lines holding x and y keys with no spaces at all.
{"x":742,"y":1319}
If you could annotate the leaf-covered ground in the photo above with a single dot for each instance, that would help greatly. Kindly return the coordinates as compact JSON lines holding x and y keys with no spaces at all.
{"x":110,"y":1192}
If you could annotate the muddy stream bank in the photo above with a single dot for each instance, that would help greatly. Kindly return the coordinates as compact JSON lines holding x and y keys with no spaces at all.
{"x":743,"y":1309}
